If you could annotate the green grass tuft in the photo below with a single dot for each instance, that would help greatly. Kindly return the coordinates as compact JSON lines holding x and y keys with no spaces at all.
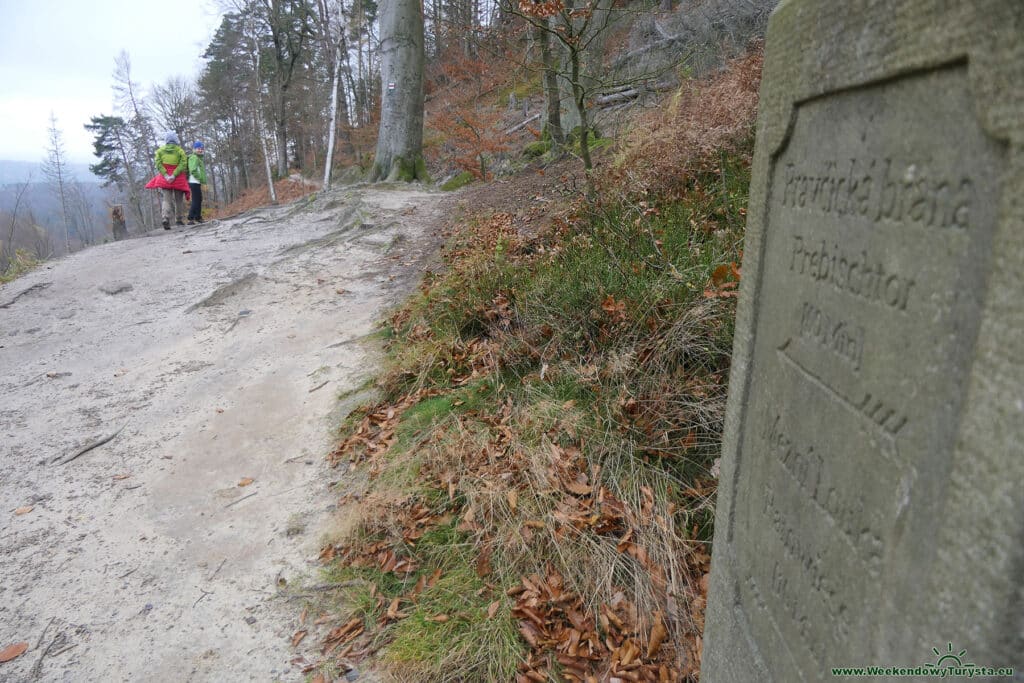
{"x":467,"y":645}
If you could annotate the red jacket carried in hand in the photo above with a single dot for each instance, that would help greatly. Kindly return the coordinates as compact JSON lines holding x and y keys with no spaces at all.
{"x":180,"y":183}
{"x":174,"y":161}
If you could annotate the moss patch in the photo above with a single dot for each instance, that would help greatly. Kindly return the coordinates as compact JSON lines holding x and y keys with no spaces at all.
{"x":461,"y":180}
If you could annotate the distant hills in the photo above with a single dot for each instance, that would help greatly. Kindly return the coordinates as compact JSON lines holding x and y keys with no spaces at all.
{"x":19,"y":171}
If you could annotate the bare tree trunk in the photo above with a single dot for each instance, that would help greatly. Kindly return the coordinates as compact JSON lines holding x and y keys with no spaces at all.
{"x":400,"y":137}
{"x":117,"y":225}
{"x":55,"y":169}
{"x":329,"y":161}
{"x":8,"y":250}
{"x":261,"y":131}
{"x":281,"y":137}
{"x":554,"y":100}
{"x":579,"y":98}
{"x":435,"y":21}
{"x":266,"y":165}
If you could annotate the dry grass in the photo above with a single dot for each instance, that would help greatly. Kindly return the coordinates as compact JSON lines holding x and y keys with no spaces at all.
{"x":702,"y":120}
{"x":22,"y":263}
{"x":287,"y":190}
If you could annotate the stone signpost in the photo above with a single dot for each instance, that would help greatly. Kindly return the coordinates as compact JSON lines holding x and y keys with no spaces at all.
{"x":871,"y":505}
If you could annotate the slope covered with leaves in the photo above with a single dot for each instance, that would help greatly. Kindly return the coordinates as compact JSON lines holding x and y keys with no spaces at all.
{"x":532,"y":497}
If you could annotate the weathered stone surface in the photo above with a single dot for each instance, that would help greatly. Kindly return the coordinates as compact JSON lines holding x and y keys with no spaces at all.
{"x":113,"y":288}
{"x":871,"y":505}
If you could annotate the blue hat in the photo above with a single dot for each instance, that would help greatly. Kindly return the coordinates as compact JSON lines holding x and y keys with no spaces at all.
{"x":197,"y":145}
{"x":171,"y":138}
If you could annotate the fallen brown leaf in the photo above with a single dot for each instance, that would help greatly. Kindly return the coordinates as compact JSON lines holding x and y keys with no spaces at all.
{"x":297,"y":638}
{"x":119,"y":477}
{"x":24,"y":510}
{"x":246,"y":481}
{"x":493,"y":608}
{"x":719,"y":275}
{"x":434,"y":577}
{"x":658,"y":635}
{"x":12,"y":651}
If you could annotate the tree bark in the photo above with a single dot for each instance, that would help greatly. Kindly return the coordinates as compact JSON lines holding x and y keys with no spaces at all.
{"x":400,"y":136}
{"x":553,"y":96}
{"x":579,"y":99}
{"x":117,"y":224}
{"x":329,"y":160}
{"x":261,"y":130}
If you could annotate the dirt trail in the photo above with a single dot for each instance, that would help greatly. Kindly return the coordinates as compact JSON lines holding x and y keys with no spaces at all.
{"x":220,"y":352}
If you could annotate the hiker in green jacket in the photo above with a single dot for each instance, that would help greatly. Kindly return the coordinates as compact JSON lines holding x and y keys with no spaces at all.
{"x":196,"y":180}
{"x":170,"y":162}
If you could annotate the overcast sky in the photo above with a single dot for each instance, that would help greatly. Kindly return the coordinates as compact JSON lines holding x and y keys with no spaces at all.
{"x":58,"y":55}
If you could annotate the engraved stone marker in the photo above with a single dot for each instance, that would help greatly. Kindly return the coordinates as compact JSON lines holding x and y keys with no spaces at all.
{"x":871,"y":504}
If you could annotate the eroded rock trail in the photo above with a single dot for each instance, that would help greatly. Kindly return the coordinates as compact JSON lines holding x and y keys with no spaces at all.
{"x":219,"y":354}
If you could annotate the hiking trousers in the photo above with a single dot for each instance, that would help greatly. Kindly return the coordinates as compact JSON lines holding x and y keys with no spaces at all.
{"x":172,"y":202}
{"x":195,"y":210}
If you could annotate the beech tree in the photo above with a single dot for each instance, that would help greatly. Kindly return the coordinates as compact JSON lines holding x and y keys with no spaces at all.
{"x":400,"y":135}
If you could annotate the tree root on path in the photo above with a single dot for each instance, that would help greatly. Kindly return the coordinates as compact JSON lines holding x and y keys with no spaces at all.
{"x":86,"y":449}
{"x":33,"y":288}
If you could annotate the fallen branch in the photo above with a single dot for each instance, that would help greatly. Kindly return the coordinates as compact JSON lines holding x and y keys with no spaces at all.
{"x":63,"y":650}
{"x":215,"y":571}
{"x":516,"y":127}
{"x":657,"y":45}
{"x":236,"y":502}
{"x":310,"y":591}
{"x":86,"y":449}
{"x":622,"y":96}
{"x":204,"y":594}
{"x":319,"y":386}
{"x":37,"y":668}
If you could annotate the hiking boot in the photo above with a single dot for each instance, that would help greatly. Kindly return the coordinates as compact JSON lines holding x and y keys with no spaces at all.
{"x":191,"y":222}
{"x":166,"y":224}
